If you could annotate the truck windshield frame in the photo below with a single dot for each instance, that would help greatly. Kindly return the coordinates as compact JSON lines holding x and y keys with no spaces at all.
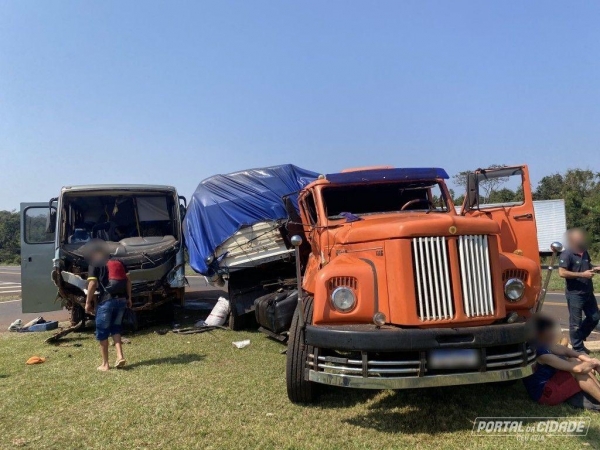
{"x":86,"y":212}
{"x":344,"y":202}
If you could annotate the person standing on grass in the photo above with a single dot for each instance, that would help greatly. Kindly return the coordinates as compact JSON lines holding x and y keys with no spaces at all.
{"x":562,"y":375}
{"x":576,"y":268}
{"x":109,"y":276}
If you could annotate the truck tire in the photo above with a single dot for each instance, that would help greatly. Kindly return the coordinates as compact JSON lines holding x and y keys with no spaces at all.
{"x":237,"y":323}
{"x":299,"y":389}
{"x":131,"y":320}
{"x":77,"y":314}
{"x":240,"y":322}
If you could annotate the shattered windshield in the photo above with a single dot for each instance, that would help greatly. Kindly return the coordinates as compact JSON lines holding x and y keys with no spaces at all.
{"x":353,"y":201}
{"x":117,"y":218}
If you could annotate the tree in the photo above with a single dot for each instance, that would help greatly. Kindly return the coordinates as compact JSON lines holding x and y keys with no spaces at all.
{"x":581,"y":191}
{"x":10,"y":246}
{"x":550,"y":188}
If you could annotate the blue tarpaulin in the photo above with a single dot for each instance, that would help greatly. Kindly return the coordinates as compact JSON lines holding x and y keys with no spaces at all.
{"x":222,"y":204}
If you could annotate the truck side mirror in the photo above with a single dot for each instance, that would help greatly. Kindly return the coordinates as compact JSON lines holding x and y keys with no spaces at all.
{"x":472,"y":198}
{"x":51,"y":220}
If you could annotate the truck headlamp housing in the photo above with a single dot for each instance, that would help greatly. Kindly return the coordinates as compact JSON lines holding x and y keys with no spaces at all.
{"x":514,"y":290}
{"x":343,"y":299}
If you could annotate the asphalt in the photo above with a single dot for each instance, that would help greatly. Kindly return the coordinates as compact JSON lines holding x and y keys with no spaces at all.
{"x":555,"y":304}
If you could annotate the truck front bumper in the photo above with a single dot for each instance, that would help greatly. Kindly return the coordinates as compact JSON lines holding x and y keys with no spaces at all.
{"x":364,"y":356}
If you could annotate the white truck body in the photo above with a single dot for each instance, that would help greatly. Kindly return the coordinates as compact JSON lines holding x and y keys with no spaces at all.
{"x":252,"y":246}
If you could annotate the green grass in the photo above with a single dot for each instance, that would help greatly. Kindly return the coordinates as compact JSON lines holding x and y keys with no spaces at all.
{"x":8,"y":297}
{"x":558,"y":284}
{"x":199,"y":391}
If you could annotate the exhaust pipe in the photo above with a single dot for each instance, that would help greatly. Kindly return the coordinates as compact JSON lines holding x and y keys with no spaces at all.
{"x":297,"y":242}
{"x":556,"y":248}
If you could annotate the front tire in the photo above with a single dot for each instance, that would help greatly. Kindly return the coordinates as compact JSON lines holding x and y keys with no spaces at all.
{"x":299,"y":389}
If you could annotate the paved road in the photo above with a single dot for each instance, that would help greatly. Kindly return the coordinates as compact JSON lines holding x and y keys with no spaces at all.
{"x":555,"y":304}
{"x":11,"y":310}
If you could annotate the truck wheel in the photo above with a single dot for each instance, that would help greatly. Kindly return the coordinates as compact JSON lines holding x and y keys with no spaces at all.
{"x":299,"y":389}
{"x":237,"y":323}
{"x":77,"y":314}
{"x":131,"y":320}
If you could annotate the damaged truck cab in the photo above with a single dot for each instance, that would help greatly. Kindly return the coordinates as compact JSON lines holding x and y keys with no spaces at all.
{"x":141,"y":225}
{"x":401,"y":292}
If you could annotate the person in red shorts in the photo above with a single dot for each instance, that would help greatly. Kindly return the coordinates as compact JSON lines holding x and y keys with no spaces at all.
{"x":562,"y":375}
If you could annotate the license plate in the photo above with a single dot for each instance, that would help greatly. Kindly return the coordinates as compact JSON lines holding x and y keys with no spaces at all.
{"x":462,"y":358}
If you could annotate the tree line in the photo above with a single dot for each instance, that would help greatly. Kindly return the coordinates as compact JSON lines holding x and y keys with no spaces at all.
{"x":578,"y":187}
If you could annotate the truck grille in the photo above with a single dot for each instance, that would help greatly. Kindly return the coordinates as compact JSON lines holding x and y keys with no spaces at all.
{"x":434,"y":291}
{"x":475,"y":275}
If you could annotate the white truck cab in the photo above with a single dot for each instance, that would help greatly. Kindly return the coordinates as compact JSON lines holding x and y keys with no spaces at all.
{"x":143,"y":221}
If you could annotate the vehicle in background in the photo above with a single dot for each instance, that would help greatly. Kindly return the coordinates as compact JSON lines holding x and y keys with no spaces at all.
{"x":400,"y":291}
{"x":141,"y":224}
{"x":237,"y":231}
{"x":551,"y":219}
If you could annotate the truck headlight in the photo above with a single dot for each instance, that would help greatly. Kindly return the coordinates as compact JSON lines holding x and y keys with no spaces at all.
{"x":343,"y":299}
{"x":514,"y":289}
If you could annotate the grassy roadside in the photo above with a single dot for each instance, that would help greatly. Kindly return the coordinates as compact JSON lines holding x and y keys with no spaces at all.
{"x":557,"y":284}
{"x":198,"y":391}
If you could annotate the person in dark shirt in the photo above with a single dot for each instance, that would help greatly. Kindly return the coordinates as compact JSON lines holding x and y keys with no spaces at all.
{"x":110,"y":278}
{"x":560,"y":373}
{"x":576,"y":268}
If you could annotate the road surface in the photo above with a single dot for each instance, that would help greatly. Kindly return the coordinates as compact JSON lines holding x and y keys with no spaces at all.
{"x":10,"y":285}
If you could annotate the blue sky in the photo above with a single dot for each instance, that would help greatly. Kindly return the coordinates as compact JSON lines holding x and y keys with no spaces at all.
{"x":173,"y":92}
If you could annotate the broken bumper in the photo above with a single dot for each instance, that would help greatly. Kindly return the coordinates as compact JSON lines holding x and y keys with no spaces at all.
{"x":363,"y":356}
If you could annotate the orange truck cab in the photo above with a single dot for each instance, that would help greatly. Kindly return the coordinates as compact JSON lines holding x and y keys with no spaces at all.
{"x":401,"y":291}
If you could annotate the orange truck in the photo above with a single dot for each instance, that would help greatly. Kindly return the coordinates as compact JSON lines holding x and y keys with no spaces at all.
{"x":400,"y":291}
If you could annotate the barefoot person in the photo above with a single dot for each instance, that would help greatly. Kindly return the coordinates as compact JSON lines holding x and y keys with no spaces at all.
{"x":576,"y":268}
{"x":110,"y":278}
{"x":562,"y":375}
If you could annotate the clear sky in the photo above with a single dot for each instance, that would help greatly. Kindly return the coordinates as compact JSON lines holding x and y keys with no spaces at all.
{"x":173,"y":92}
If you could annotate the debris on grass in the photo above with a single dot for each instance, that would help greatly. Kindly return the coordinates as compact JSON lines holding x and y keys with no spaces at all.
{"x":241,"y":344}
{"x":35,"y":360}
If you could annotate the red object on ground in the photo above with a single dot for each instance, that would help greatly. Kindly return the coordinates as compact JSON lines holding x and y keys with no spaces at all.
{"x":559,"y":388}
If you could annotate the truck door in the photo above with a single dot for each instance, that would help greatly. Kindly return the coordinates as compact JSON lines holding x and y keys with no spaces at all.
{"x":37,"y":251}
{"x":503,"y":194}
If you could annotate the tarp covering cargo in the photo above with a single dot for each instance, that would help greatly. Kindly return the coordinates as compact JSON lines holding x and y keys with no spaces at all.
{"x":222,"y":204}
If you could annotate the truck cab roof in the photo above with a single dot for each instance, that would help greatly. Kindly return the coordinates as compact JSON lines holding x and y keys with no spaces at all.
{"x":117,"y":187}
{"x":383,"y":174}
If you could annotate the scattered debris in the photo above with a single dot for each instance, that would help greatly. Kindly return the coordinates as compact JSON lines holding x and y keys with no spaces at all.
{"x":37,"y":324}
{"x":39,"y":319}
{"x":42,"y":326}
{"x":35,"y":360}
{"x":196,"y":330}
{"x":16,"y":325}
{"x":241,"y":344}
{"x":55,"y":337}
{"x":218,"y":315}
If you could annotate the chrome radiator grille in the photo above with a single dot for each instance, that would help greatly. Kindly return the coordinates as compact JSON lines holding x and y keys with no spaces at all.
{"x":434,"y":291}
{"x":475,"y":275}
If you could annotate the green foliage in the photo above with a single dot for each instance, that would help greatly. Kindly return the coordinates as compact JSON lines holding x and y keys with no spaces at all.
{"x":581,"y":191}
{"x":10,"y":247}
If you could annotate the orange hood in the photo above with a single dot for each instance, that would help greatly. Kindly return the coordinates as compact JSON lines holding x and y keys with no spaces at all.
{"x":382,"y":227}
